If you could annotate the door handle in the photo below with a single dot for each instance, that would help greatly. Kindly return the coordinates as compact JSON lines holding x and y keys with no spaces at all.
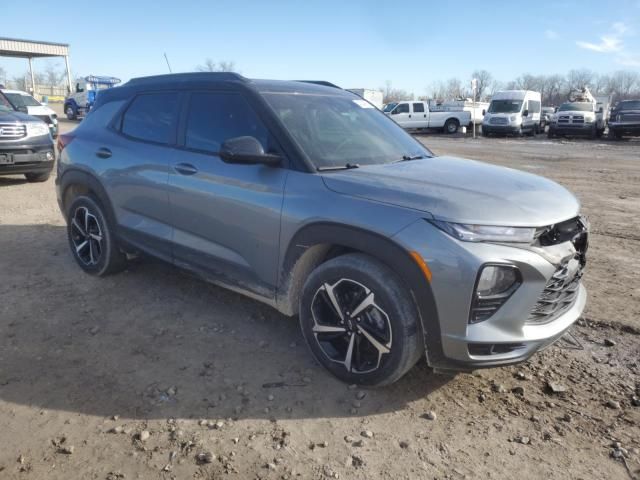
{"x":185,"y":169}
{"x":103,"y":153}
{"x":409,"y":115}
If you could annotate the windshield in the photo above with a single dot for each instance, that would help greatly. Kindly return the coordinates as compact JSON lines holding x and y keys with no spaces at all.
{"x":631,"y":105}
{"x":505,"y":106}
{"x":336,"y":130}
{"x":389,"y":106}
{"x":576,"y":107}
{"x":21,"y":100}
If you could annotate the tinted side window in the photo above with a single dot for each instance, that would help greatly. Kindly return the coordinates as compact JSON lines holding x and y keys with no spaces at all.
{"x":216,"y":117}
{"x":152,"y":117}
{"x":403,"y":108}
{"x":418,"y":107}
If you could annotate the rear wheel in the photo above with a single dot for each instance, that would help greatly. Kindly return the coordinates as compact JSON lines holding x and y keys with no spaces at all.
{"x":550,"y":133}
{"x":37,"y":177}
{"x":360,"y":321}
{"x":91,"y":238}
{"x":451,"y":126}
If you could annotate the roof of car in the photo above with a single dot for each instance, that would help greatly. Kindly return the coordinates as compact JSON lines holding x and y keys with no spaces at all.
{"x":20,"y":92}
{"x":182,"y":79}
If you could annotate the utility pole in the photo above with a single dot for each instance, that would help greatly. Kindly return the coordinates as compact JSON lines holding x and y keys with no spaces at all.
{"x":167,"y":59}
{"x":474,"y":89}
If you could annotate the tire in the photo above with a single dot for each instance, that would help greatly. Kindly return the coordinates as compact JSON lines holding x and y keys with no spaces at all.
{"x":485,"y":134}
{"x":70,"y":112}
{"x":87,"y":225}
{"x":550,"y":133}
{"x":451,"y":126}
{"x":593,"y":133}
{"x":37,"y":177}
{"x":391,"y":316}
{"x":519,"y":133}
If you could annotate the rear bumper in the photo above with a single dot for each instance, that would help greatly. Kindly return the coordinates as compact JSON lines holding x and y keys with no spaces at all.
{"x":37,"y":156}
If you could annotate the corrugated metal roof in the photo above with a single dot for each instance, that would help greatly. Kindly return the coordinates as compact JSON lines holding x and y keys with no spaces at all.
{"x":14,"y":47}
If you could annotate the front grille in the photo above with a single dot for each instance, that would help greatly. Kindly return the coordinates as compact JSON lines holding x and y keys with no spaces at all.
{"x":498,"y":121}
{"x":578,"y":119}
{"x":564,"y":119}
{"x":629,"y":117}
{"x":12,"y":131}
{"x":561,"y":290}
{"x":559,"y":294}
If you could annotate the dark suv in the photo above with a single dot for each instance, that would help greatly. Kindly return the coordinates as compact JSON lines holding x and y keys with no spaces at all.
{"x":625,"y":119}
{"x":26,"y":146}
{"x":308,"y":198}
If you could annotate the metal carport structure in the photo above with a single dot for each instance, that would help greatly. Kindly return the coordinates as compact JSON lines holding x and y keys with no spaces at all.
{"x":29,"y":49}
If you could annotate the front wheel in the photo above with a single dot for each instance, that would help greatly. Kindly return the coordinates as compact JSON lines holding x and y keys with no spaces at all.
{"x":451,"y":126}
{"x":360,"y":321}
{"x":91,"y":238}
{"x":37,"y":177}
{"x":70,"y":112}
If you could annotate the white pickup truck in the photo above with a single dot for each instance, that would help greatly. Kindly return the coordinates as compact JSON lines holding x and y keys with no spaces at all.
{"x":416,"y":114}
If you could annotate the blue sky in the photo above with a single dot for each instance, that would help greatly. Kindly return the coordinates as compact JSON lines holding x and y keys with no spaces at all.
{"x":351,"y":43}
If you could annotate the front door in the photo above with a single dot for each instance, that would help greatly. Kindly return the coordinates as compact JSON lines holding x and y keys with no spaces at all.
{"x":226,"y":217}
{"x":402,"y":115}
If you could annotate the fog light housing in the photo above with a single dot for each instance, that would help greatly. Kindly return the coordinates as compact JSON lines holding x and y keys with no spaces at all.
{"x":49,"y":156}
{"x":494,"y":286}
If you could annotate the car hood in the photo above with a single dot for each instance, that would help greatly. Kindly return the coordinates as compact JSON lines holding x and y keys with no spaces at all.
{"x":14,"y":117}
{"x":40,"y":110}
{"x":459,"y":190}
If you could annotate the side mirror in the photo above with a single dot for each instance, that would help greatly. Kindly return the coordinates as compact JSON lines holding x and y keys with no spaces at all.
{"x":555,"y":110}
{"x":484,"y":112}
{"x":248,"y":151}
{"x":23,"y":109}
{"x":525,"y":113}
{"x":394,"y":111}
{"x":600,"y":110}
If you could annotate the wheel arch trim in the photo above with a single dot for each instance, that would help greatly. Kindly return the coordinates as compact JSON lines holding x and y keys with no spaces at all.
{"x":309,"y":247}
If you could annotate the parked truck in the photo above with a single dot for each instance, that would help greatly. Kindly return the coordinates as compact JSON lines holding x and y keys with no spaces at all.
{"x":418,"y":115}
{"x":78,"y":103}
{"x":583,"y":114}
{"x":476,"y":109}
{"x":372,"y":96}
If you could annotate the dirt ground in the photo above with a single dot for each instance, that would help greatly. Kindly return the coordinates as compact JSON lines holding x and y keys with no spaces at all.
{"x":154,"y":374}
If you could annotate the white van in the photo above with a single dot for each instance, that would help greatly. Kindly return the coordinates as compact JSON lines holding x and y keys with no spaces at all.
{"x":513,"y":111}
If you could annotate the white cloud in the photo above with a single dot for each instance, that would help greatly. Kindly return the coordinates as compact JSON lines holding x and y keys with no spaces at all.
{"x":612,"y":42}
{"x":607,"y":44}
{"x":551,"y":34}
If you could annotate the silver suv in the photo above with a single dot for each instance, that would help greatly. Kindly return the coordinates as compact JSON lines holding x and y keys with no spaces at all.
{"x":306,"y":197}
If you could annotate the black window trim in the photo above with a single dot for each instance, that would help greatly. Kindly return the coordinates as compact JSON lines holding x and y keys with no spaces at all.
{"x":119,"y":119}
{"x":413,"y":105}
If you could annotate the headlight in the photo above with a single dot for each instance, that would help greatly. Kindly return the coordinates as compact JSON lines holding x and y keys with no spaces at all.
{"x":589,"y":119}
{"x":495,"y":284}
{"x":486,"y":233}
{"x":35,"y":129}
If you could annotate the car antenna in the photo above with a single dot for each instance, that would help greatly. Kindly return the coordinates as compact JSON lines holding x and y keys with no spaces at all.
{"x":167,"y":59}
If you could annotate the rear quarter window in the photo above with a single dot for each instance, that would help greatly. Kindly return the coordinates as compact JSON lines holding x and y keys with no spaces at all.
{"x":152,"y":117}
{"x":101,"y":116}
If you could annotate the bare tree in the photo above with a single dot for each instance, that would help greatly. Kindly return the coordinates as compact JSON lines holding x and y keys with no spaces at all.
{"x":624,"y":84}
{"x":577,"y":79}
{"x":390,"y":94}
{"x":211,"y":66}
{"x":3,"y":76}
{"x":485,"y":80}
{"x":52,"y":75}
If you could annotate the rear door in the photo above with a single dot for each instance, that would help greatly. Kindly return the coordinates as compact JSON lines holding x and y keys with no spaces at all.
{"x":134,"y":163}
{"x":226,"y":217}
{"x":419,"y":115}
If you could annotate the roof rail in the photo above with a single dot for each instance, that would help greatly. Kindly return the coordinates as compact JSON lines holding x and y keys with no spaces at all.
{"x":191,"y":76}
{"x":320,"y":82}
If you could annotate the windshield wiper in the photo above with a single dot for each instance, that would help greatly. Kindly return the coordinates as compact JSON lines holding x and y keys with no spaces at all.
{"x":348,"y":166}
{"x":407,"y":158}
